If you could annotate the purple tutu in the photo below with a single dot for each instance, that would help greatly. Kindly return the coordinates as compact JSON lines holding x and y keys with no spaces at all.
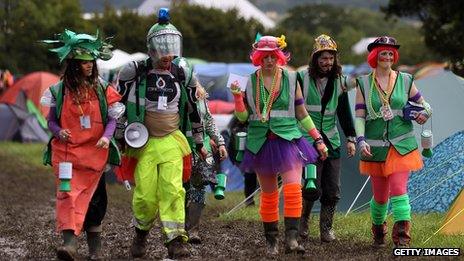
{"x":278,"y":155}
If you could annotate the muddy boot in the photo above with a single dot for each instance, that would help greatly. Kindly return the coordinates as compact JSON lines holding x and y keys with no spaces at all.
{"x":379,"y":232}
{"x":139,"y":243}
{"x":177,"y":248}
{"x":325,"y":223}
{"x":291,"y":236}
{"x":271,"y":233}
{"x":305,"y":218}
{"x":94,"y":243}
{"x":193,"y":222}
{"x":400,"y":234}
{"x":68,"y":250}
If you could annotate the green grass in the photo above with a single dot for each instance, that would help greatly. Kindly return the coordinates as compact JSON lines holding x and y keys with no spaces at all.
{"x":354,"y":226}
{"x":18,"y":158}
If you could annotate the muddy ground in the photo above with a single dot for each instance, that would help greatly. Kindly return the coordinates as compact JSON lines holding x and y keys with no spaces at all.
{"x":27,"y":227}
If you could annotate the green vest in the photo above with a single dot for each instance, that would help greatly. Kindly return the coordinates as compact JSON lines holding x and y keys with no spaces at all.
{"x":381,"y":134}
{"x":135,"y":105}
{"x":282,"y":120}
{"x":114,"y":157}
{"x":326,"y":123}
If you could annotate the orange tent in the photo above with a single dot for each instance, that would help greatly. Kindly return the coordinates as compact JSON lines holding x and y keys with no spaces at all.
{"x":33,"y":84}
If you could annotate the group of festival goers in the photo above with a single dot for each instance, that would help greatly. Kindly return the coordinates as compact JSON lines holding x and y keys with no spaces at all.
{"x":291,"y":123}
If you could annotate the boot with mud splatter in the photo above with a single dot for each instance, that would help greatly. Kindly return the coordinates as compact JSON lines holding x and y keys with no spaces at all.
{"x":68,"y":250}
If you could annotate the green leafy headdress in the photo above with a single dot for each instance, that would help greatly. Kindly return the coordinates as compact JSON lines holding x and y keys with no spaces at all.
{"x":81,"y":46}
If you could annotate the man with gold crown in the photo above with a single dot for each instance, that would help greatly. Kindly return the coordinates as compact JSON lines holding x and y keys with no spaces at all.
{"x":326,"y":98}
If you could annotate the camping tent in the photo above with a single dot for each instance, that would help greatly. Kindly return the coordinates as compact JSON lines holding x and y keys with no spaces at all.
{"x":434,"y":188}
{"x":21,"y":114}
{"x":453,"y":225}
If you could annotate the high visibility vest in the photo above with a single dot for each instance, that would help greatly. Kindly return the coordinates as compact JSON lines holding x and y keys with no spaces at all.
{"x":135,"y":105}
{"x":282,"y":120}
{"x":381,"y":134}
{"x":56,"y":90}
{"x":326,"y":123}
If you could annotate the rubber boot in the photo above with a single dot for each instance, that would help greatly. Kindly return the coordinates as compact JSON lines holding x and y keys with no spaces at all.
{"x":379,"y":232}
{"x":193,"y":222}
{"x":68,"y":250}
{"x":271,"y":233}
{"x":139,"y":243}
{"x":94,"y":243}
{"x":325,"y":223}
{"x":291,"y":236}
{"x":401,"y":234}
{"x":177,"y":248}
{"x":305,"y":218}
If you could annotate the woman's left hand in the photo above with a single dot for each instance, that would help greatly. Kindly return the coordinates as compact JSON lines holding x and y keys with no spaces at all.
{"x":422,"y":118}
{"x":103,"y":143}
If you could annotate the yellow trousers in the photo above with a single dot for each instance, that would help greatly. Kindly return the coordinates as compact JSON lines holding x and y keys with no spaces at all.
{"x":158,"y":185}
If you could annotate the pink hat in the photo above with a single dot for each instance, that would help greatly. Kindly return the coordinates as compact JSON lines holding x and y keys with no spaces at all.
{"x":267,"y":43}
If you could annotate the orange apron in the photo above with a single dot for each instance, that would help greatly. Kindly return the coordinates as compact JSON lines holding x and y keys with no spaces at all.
{"x":88,"y":160}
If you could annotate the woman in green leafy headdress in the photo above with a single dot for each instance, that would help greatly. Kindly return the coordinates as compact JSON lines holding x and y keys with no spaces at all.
{"x":82,"y":119}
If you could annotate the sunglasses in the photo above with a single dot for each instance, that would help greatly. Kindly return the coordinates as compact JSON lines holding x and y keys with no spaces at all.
{"x":386,"y":40}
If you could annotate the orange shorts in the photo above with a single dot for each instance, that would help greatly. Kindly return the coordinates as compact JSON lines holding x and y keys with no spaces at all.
{"x":394,"y":162}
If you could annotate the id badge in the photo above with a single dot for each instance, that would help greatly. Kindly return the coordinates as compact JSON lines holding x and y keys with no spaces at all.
{"x":85,"y":121}
{"x":162,"y":103}
{"x":387,"y":113}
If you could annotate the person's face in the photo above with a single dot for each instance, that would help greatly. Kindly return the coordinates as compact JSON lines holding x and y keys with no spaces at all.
{"x":325,"y":61}
{"x":385,"y":59}
{"x":164,"y":62}
{"x":86,"y":68}
{"x":269,"y":62}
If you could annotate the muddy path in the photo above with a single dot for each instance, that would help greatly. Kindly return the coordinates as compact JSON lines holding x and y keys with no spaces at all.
{"x":27,"y":227}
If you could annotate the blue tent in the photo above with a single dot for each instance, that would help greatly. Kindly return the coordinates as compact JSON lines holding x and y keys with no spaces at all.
{"x":434,"y":188}
{"x":213,"y":76}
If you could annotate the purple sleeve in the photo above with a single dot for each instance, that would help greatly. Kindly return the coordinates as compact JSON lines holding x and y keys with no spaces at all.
{"x":416,"y":97}
{"x":53,"y":124}
{"x":299,"y":101}
{"x":110,"y":127}
{"x":360,"y":106}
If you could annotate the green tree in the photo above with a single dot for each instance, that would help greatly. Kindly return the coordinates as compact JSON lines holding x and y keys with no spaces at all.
{"x":442,"y":25}
{"x":347,"y":26}
{"x":25,"y":22}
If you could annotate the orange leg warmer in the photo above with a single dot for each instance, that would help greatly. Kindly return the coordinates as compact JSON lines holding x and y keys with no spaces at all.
{"x":269,"y":207}
{"x":292,"y":200}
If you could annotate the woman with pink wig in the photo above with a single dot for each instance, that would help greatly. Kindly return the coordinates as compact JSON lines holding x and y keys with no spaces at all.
{"x":386,"y":138}
{"x":273,"y":104}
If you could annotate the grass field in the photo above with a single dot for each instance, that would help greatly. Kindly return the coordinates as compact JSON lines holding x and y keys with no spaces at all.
{"x":24,"y":161}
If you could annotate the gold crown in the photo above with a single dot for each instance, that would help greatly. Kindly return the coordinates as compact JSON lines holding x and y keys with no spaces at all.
{"x":324,"y":43}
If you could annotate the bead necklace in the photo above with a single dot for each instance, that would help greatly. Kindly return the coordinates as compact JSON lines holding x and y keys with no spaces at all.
{"x":384,"y":97}
{"x":268,"y":100}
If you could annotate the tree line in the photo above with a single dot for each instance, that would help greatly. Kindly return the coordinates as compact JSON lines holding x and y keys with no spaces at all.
{"x":211,"y":34}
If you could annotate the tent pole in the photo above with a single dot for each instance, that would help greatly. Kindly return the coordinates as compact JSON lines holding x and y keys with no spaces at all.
{"x":357,"y":196}
{"x":238,"y":206}
{"x":443,"y":226}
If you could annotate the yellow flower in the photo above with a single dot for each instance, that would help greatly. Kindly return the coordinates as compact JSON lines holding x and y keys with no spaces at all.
{"x":281,"y":42}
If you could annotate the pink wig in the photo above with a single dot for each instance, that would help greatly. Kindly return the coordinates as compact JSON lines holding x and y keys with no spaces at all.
{"x":374,"y":54}
{"x":257,"y":57}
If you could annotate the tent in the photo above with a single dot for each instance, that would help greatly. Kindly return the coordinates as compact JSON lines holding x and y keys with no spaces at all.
{"x":21,"y":114}
{"x":453,"y":225}
{"x":214,"y":76}
{"x":108,"y":69}
{"x":437,"y":185}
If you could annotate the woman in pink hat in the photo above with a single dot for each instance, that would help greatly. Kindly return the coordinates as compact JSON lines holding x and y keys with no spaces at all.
{"x":273,"y":105}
